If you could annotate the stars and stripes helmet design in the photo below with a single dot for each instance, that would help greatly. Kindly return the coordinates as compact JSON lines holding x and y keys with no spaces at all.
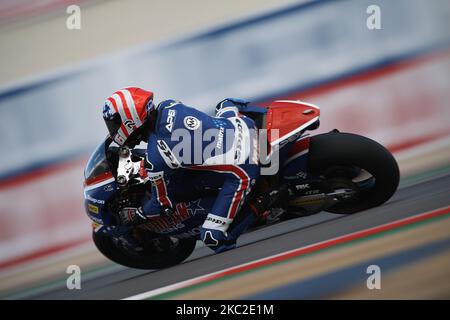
{"x":125,"y":111}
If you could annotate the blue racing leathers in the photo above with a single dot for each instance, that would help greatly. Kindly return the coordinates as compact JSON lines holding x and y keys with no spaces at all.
{"x":187,"y":138}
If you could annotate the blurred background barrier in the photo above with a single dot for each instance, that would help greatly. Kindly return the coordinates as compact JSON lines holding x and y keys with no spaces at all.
{"x":390,"y":84}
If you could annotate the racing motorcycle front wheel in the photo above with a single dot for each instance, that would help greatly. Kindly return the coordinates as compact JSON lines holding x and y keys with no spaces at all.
{"x":351,"y":161}
{"x":163,"y":253}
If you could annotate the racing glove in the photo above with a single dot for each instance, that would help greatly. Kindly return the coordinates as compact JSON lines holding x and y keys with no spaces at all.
{"x":131,"y":216}
{"x":167,"y":211}
{"x":240,"y":104}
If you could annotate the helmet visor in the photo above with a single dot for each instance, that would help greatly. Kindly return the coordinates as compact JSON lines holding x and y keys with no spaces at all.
{"x":113,"y":124}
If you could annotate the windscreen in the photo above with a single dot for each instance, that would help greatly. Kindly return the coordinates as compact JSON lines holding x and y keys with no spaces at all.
{"x":98,"y":165}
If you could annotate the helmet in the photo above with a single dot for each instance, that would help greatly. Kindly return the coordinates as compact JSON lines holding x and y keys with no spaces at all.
{"x":125,"y":112}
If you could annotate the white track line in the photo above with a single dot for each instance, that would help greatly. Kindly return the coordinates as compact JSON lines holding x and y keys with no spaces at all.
{"x":210,"y":276}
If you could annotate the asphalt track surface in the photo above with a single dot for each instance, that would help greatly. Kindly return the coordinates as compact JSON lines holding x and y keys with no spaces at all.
{"x":422,"y":196}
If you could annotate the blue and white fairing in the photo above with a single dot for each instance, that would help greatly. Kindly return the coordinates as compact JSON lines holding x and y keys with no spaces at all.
{"x":100,"y":188}
{"x":99,"y":185}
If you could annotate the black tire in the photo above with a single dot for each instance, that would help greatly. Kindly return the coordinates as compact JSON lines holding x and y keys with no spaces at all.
{"x":346,"y":149}
{"x":146,"y":260}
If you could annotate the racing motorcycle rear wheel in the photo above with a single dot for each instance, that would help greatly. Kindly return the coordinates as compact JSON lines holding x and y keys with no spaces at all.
{"x":352,"y":161}
{"x":152,"y":257}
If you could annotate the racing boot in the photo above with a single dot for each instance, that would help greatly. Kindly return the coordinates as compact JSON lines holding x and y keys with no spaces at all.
{"x":214,"y":233}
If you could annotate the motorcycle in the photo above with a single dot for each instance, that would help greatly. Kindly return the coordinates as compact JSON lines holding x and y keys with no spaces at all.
{"x":336,"y":172}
